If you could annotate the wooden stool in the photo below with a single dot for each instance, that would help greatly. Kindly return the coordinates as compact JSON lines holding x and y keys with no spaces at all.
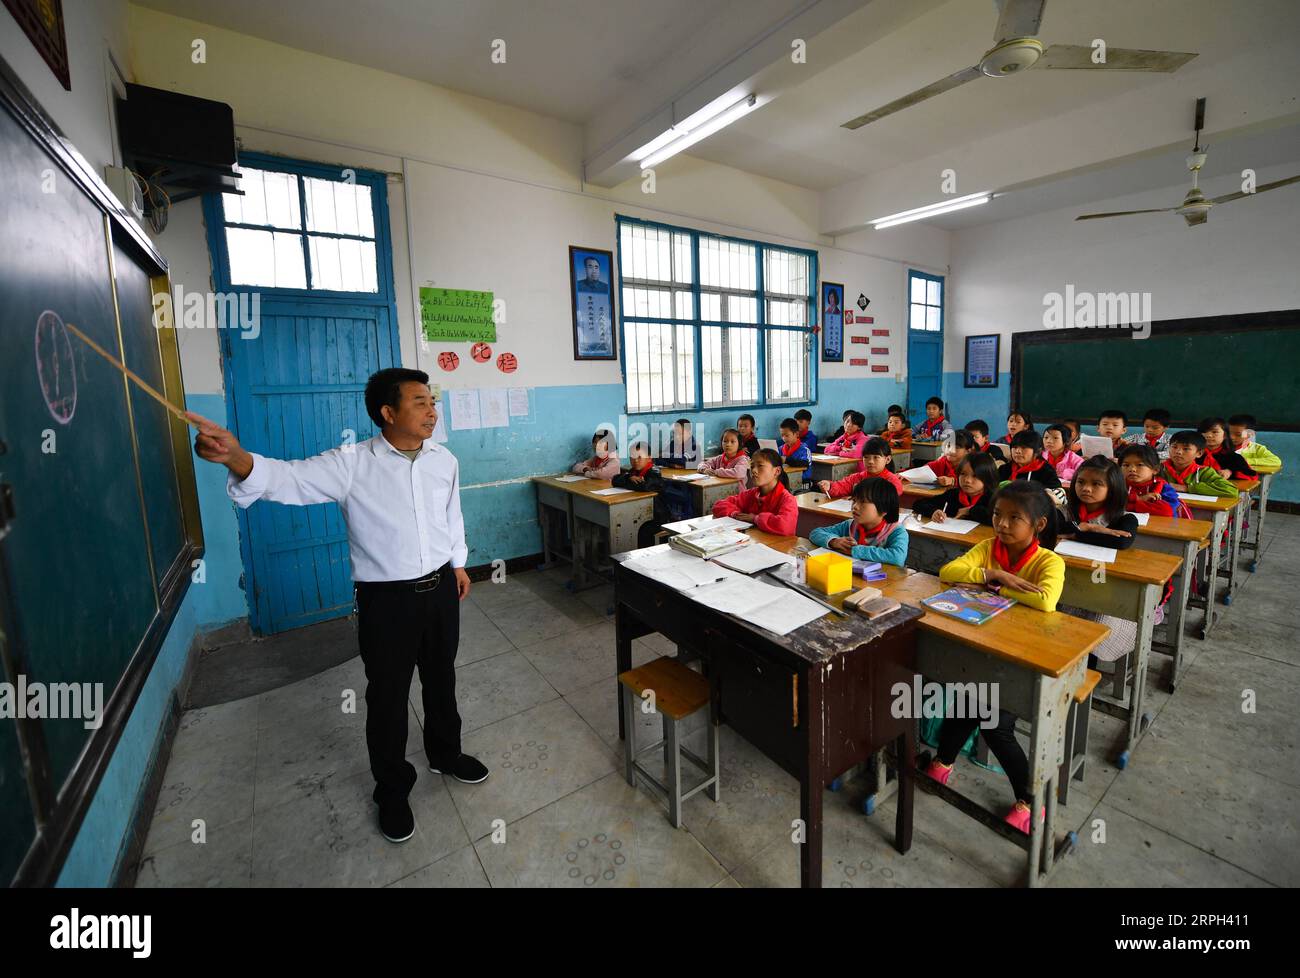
{"x":679,"y":692}
{"x":1076,"y":736}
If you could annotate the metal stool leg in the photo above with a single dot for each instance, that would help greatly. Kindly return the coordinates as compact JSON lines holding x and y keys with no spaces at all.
{"x":629,"y":740}
{"x":1119,"y":681}
{"x":674,"y":773}
{"x":714,"y":789}
{"x":1063,"y":773}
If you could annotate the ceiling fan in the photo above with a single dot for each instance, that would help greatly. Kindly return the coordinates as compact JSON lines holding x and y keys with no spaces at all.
{"x":1195,"y":208}
{"x":1016,"y":49}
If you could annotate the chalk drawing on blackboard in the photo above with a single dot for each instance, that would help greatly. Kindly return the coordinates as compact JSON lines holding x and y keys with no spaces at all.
{"x":55,"y":367}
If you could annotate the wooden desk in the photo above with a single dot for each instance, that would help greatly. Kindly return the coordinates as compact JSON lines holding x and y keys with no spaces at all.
{"x":816,"y":701}
{"x":926,"y":451}
{"x":902,"y":458}
{"x":912,"y":491}
{"x":1217,"y":512}
{"x":1036,"y":659}
{"x":706,"y":491}
{"x":589,"y":521}
{"x":1266,"y":473}
{"x":1131,"y":589}
{"x":824,"y":468}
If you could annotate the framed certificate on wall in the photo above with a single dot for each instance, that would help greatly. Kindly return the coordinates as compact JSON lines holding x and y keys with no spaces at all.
{"x":832,"y":322}
{"x":982,"y":360}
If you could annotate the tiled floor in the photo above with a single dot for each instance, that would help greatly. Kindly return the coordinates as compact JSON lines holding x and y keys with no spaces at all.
{"x":281,"y":784}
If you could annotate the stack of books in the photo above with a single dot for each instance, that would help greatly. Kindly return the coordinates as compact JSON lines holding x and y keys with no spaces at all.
{"x":709,"y":542}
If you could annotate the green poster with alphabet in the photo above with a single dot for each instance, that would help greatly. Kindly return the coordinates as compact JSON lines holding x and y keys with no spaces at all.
{"x":457,"y":315}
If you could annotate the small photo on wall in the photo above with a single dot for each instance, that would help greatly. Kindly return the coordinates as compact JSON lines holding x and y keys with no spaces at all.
{"x":591,"y":281}
{"x":832,"y":307}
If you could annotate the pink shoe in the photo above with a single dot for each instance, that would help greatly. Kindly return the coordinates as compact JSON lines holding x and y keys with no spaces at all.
{"x":938,"y":772}
{"x":1018,"y":817}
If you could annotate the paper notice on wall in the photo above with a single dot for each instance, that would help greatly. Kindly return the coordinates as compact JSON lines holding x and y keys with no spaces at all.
{"x":519,"y":407}
{"x":494,"y":407}
{"x":464,"y":410}
{"x":440,"y":427}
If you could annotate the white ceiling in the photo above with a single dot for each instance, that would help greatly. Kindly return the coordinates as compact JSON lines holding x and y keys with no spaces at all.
{"x":1047,"y":138}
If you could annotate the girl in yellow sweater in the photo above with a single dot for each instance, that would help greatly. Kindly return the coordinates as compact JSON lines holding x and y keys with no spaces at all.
{"x":1019,"y":563}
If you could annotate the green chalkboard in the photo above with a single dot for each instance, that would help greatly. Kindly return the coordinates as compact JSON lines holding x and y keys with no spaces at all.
{"x":1195,"y":368}
{"x":96,"y":542}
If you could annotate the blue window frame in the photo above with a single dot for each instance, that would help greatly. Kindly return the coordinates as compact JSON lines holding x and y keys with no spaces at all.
{"x":714,"y":322}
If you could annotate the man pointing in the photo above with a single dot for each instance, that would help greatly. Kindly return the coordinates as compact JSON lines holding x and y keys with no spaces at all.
{"x":400,"y":497}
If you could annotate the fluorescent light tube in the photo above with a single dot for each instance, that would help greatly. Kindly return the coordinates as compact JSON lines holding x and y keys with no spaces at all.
{"x":931,"y":210}
{"x":685,"y":139}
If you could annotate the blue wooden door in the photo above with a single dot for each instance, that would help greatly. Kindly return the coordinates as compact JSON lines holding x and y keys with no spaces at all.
{"x":296,"y":388}
{"x":924,"y":342}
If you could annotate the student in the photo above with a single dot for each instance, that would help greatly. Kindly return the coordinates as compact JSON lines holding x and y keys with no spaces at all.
{"x":906,"y":429}
{"x":1241,"y":427}
{"x":979,"y":431}
{"x":1147,"y":492}
{"x":1186,"y":474}
{"x":1076,"y":443}
{"x":1020,"y":563}
{"x":839,"y":432}
{"x":1057,"y":454}
{"x":874,"y":533}
{"x":970,"y":499}
{"x":642,"y":476}
{"x":793,"y":450}
{"x":603,"y":463}
{"x":1027,"y":462}
{"x":804,"y":417}
{"x":769,"y":504}
{"x":1218,"y":454}
{"x":945,"y":466}
{"x":935,"y":426}
{"x":1017,"y":421}
{"x":683,"y":453}
{"x":733,"y":463}
{"x":1155,"y":432}
{"x":851,"y":443}
{"x":1097,"y":516}
{"x":1112,"y":424}
{"x":748,"y":440}
{"x":876,"y":456}
{"x":897,"y":432}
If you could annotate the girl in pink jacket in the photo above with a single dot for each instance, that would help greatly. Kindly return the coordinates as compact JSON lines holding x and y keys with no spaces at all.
{"x":1057,"y":454}
{"x":733,"y":463}
{"x":603,"y":463}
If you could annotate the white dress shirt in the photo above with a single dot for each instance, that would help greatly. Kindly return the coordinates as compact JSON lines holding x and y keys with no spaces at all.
{"x":403,"y":517}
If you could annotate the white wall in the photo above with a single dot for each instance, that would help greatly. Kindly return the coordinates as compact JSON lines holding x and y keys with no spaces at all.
{"x":95,"y":30}
{"x":1242,"y":260}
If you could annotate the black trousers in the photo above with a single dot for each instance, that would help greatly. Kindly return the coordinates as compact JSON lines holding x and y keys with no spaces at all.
{"x":1002,"y":742}
{"x":400,"y":630}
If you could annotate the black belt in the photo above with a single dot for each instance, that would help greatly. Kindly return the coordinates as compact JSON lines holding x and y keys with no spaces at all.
{"x":417,"y":585}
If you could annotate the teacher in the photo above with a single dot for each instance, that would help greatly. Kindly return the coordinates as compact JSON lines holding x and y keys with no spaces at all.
{"x":400,"y":497}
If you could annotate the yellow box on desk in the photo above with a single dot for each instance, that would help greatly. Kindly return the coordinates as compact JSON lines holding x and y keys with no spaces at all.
{"x":829,"y":573}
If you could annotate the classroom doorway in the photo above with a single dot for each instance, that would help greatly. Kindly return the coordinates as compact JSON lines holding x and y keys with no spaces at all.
{"x":302,"y":266}
{"x":924,"y":341}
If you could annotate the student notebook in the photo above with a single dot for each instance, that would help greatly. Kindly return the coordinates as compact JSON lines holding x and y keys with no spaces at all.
{"x":921,"y":475}
{"x":709,"y":542}
{"x":1096,"y":445}
{"x":972,"y":606}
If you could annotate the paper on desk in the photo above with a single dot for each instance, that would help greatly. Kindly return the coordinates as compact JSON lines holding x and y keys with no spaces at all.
{"x":951,"y":525}
{"x":753,"y":558}
{"x":784,"y":613}
{"x":611,"y":491}
{"x":679,"y":571}
{"x":700,"y":522}
{"x":839,"y":505}
{"x":903,"y":514}
{"x":922,"y":474}
{"x":829,"y":458}
{"x":1141,"y":518}
{"x":690,"y":477}
{"x":1192,"y":497}
{"x":569,"y":478}
{"x":1086,"y":551}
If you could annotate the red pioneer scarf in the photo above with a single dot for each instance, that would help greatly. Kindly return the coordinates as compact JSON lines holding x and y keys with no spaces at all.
{"x":638,"y":469}
{"x":863,"y":537}
{"x":1181,"y":477}
{"x":1033,"y":466}
{"x":968,"y":501}
{"x":1004,"y":559}
{"x":928,"y":427}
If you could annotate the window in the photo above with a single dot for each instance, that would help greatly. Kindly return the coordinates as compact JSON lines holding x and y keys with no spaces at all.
{"x":925,"y":305}
{"x":292,"y":231}
{"x":711,"y":322}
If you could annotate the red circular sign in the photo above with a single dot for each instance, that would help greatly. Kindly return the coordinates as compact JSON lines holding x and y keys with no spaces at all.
{"x":448,"y":360}
{"x":507,"y":363}
{"x":481,"y":352}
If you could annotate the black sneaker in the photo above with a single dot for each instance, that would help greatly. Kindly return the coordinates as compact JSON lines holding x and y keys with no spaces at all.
{"x":396,"y":821}
{"x":465,"y":769}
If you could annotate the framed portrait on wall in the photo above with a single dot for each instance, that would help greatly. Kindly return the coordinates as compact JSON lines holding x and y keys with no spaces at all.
{"x":591,"y":283}
{"x":981,"y":368}
{"x":832,"y":309}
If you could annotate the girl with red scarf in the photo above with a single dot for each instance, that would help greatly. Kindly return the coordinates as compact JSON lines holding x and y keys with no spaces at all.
{"x":1020,"y":563}
{"x":1027,"y":461}
{"x":733,"y":463}
{"x":970,"y":499}
{"x":1147,"y":492}
{"x":769,"y":505}
{"x":1218,"y":451}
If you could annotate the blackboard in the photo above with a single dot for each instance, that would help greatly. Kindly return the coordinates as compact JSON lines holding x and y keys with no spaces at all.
{"x":1213,"y":366}
{"x":95,"y":553}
